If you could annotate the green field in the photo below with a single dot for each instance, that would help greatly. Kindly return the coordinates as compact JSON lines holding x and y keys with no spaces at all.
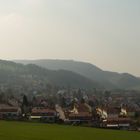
{"x":36,"y":131}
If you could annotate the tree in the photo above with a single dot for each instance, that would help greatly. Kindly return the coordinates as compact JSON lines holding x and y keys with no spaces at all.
{"x":25,"y":106}
{"x":25,"y":100}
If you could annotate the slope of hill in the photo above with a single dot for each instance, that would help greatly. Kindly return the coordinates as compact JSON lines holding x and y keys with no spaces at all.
{"x":107,"y":79}
{"x":32,"y":76}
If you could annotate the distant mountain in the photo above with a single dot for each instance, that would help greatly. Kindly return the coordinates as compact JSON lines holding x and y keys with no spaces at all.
{"x":34,"y":77}
{"x":110,"y":80}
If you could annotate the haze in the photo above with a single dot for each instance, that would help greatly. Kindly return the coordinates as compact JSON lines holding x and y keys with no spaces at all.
{"x":103,"y":32}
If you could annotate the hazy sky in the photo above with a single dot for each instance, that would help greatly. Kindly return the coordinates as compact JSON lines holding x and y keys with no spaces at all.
{"x":103,"y":32}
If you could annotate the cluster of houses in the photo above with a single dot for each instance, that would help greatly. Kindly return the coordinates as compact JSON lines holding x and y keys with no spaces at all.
{"x":114,"y":118}
{"x":104,"y":110}
{"x":81,"y":113}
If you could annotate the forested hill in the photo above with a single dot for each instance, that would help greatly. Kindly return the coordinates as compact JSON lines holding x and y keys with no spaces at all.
{"x":33,"y":77}
{"x":110,"y":80}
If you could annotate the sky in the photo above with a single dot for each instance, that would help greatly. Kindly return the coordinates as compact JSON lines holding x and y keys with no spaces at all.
{"x":105,"y":33}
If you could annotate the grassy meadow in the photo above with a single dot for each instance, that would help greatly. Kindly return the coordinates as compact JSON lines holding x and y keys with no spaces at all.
{"x":37,"y":131}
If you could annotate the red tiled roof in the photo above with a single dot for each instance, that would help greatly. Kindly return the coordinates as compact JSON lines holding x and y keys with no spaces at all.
{"x":42,"y":110}
{"x":112,"y":110}
{"x":82,"y":108}
{"x":118,"y":120}
{"x":8,"y":109}
{"x":81,"y":114}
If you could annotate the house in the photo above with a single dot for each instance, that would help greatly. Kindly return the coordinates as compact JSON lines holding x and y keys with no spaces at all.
{"x":100,"y":114}
{"x":43,"y":114}
{"x":81,"y":113}
{"x":117,"y":123}
{"x":8,"y":112}
{"x":116,"y":118}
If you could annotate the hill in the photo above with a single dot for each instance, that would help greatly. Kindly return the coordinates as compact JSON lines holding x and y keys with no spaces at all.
{"x":33,"y":77}
{"x":36,"y":131}
{"x":110,"y":80}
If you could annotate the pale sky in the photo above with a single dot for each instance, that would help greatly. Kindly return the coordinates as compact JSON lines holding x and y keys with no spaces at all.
{"x":103,"y":32}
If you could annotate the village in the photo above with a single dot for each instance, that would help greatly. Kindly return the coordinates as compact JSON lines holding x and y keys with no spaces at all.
{"x":103,"y":109}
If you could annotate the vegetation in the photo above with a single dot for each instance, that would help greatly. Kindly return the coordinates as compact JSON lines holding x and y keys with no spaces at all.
{"x":30,"y":78}
{"x":108,"y":79}
{"x":36,"y":131}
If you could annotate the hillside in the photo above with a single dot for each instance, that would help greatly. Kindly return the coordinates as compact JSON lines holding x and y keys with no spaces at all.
{"x":108,"y":79}
{"x":36,"y":78}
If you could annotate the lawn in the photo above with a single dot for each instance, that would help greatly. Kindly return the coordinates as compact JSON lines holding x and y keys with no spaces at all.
{"x":37,"y":131}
